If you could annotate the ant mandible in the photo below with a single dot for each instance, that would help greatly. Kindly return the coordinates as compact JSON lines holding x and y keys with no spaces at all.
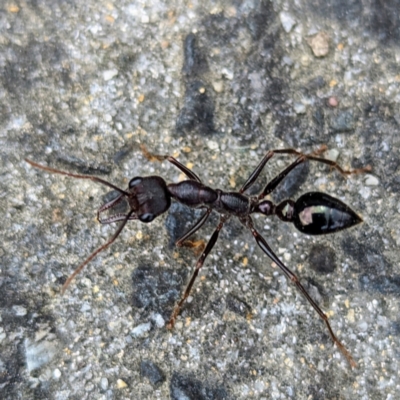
{"x":314,"y":213}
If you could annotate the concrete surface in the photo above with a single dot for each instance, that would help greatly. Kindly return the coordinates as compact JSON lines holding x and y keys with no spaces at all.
{"x":216,"y":84}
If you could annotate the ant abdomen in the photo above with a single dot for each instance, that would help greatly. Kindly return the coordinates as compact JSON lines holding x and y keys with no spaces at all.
{"x":318,"y":213}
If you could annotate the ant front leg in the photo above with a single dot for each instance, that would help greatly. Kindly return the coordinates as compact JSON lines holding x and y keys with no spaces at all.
{"x":194,"y":228}
{"x":199,"y":264}
{"x":156,"y":157}
{"x":124,"y":220}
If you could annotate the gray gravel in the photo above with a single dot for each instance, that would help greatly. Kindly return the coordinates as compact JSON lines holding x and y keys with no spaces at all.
{"x":216,"y":84}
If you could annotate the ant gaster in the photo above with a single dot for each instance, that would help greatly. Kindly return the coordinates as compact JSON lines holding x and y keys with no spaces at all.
{"x":314,"y":213}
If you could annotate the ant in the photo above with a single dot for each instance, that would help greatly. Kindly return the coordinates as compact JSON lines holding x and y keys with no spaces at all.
{"x":314,"y":213}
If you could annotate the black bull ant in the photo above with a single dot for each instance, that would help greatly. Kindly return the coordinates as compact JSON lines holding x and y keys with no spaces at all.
{"x":314,"y":213}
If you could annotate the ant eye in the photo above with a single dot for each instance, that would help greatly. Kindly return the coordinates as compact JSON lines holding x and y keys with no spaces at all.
{"x":147,"y":217}
{"x":135,"y":181}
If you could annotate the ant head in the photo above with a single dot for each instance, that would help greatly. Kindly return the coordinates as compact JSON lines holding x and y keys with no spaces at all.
{"x":149,"y":197}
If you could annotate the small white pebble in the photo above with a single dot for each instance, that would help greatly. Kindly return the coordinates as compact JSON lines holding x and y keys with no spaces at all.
{"x":87,"y":282}
{"x":57,"y":374}
{"x":365,"y":192}
{"x":107,"y":75}
{"x":104,"y":383}
{"x":299,"y":108}
{"x":371,"y":180}
{"x":287,"y":21}
{"x":159,"y":320}
{"x":331,"y":154}
{"x":19,"y":311}
{"x":212,"y":145}
{"x":287,"y":61}
{"x":141,"y":329}
{"x":363,"y":326}
{"x":227,"y":73}
{"x":179,"y":325}
{"x":145,"y":19}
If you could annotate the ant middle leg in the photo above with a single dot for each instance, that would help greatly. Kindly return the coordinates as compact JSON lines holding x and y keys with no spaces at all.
{"x":156,"y":157}
{"x":199,"y":264}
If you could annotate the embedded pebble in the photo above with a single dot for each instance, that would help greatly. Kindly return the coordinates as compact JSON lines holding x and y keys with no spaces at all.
{"x":141,"y":329}
{"x":121,"y":384}
{"x":212,"y":145}
{"x":287,"y":21}
{"x":228,"y":74}
{"x":108,"y":75}
{"x":218,"y":86}
{"x":299,"y":108}
{"x":159,"y":320}
{"x":331,"y":154}
{"x":38,"y":353}
{"x":351,"y":315}
{"x":319,"y":44}
{"x":363,"y":326}
{"x":332,"y":101}
{"x":104,"y":383}
{"x":371,"y":180}
{"x":20,"y":311}
{"x":57,"y":374}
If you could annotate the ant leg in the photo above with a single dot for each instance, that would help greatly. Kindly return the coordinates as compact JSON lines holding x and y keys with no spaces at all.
{"x":107,"y":206}
{"x":271,"y":186}
{"x":116,"y":218}
{"x":312,"y":157}
{"x":199,"y":264}
{"x":78,"y":176}
{"x":254,"y":175}
{"x":97,"y":251}
{"x":194,"y":228}
{"x":295,"y":280}
{"x":155,"y":157}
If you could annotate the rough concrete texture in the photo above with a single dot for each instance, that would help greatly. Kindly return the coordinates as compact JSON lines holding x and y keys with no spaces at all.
{"x":216,"y":84}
